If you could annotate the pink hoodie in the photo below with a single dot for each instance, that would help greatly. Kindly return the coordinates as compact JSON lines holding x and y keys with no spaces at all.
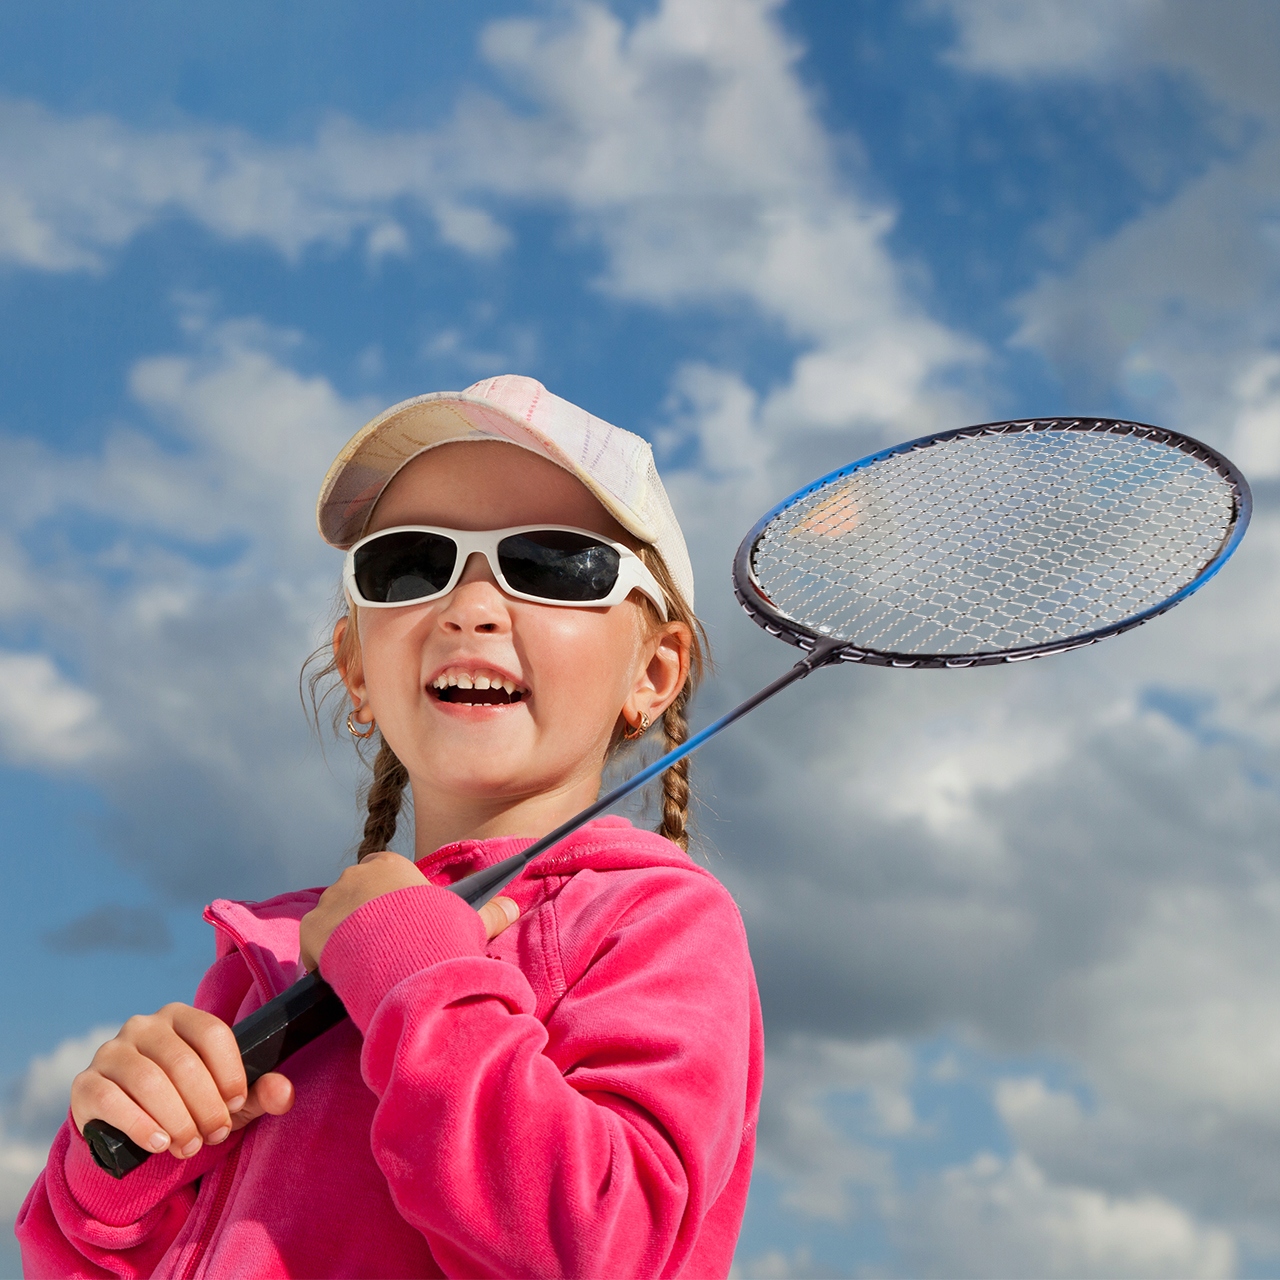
{"x":577,"y":1097}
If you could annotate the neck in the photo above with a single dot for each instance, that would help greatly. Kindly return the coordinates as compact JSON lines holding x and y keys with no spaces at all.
{"x":439,"y":820}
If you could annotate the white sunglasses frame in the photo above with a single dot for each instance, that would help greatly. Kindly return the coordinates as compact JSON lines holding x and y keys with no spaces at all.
{"x":633,"y":573}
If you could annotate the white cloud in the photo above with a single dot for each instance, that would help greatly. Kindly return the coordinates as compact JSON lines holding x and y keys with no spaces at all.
{"x":913,"y":851}
{"x":1255,"y":436}
{"x":44,"y":718}
{"x":684,"y":143}
{"x":687,"y":145}
{"x":776,"y":1265}
{"x":825,"y":1170}
{"x":190,"y":621}
{"x":44,"y":1093}
{"x":1036,"y":856}
{"x":1004,"y":1217}
{"x":73,"y":189}
{"x":20,"y":1164}
{"x":37,"y":1106}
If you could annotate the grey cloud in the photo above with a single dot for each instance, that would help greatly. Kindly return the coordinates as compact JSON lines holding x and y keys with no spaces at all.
{"x":991,"y":851}
{"x":1050,"y":38}
{"x":112,"y":927}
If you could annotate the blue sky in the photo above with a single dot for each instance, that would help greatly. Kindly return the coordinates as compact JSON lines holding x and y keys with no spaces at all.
{"x":1015,"y":931}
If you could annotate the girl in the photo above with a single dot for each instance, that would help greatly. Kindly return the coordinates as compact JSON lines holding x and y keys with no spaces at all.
{"x":564,"y":1084}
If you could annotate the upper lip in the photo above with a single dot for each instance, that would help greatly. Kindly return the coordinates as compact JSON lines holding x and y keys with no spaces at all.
{"x":471,"y":666}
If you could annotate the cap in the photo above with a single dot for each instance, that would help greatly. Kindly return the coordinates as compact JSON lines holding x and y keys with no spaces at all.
{"x":615,"y":465}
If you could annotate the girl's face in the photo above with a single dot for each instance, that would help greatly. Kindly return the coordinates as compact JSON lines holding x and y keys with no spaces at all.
{"x":490,"y":762}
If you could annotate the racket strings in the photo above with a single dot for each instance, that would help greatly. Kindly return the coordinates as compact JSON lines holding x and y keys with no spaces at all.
{"x":997,"y":542}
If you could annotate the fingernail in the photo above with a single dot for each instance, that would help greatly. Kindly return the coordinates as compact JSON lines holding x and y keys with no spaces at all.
{"x":158,"y":1141}
{"x":236,"y":1103}
{"x":218,"y":1135}
{"x":191,"y":1148}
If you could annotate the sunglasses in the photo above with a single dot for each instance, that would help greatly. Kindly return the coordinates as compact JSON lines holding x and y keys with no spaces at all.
{"x":548,"y":564}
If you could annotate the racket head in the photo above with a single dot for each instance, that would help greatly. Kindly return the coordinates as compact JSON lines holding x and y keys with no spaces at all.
{"x":1062,"y":532}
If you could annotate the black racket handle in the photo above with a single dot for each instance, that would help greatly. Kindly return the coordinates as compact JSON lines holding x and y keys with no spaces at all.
{"x":311,"y":1006}
{"x":270,"y":1034}
{"x":265,"y":1039}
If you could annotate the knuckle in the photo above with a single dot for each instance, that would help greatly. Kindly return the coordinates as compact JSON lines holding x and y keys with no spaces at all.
{"x":190,"y":1066}
{"x":102,"y":1055}
{"x":144,"y":1073}
{"x":90,"y":1088}
{"x":217,"y":1036}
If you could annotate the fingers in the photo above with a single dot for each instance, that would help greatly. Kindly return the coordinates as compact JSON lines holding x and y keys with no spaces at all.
{"x":94,"y":1097}
{"x":134,"y":1093}
{"x":376,"y":874}
{"x":169,"y":1080}
{"x":215,"y":1042}
{"x":498,"y":914}
{"x":271,"y":1094}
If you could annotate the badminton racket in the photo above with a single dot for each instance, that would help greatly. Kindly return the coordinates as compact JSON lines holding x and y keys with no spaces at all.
{"x":991,"y":544}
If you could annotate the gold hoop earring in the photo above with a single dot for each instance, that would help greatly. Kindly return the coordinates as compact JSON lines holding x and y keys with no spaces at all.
{"x":639,"y":730}
{"x":355,"y":733}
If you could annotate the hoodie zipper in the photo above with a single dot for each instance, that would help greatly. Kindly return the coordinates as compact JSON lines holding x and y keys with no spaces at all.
{"x":220,"y":1198}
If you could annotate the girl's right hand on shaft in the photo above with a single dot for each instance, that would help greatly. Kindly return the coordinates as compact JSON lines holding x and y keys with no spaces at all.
{"x":172,"y":1081}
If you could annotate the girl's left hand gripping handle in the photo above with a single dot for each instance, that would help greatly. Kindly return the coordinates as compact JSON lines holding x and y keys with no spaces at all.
{"x":266,"y":1038}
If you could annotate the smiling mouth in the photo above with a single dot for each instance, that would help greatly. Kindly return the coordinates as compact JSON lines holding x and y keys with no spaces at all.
{"x":477,"y":688}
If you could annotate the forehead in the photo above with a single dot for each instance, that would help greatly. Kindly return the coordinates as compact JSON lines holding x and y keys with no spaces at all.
{"x":489,"y":484}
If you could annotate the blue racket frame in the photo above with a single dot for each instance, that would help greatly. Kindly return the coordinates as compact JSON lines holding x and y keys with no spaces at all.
{"x":764,"y":613}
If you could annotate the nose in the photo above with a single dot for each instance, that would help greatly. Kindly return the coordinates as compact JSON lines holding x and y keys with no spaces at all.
{"x":476,"y":604}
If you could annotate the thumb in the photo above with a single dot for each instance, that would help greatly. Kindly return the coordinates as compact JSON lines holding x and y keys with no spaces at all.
{"x":271,"y":1094}
{"x":497,"y":914}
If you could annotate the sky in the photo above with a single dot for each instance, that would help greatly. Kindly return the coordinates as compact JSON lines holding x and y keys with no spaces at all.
{"x":1015,"y":930}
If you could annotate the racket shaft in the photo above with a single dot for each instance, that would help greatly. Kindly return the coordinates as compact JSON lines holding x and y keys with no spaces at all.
{"x":310,"y":1007}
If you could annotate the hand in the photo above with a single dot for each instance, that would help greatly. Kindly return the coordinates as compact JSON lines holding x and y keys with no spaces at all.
{"x":173,"y":1080}
{"x":374,"y":875}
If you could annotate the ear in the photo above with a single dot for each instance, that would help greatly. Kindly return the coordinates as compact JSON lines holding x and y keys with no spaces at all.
{"x":348,"y":659}
{"x":661,"y":672}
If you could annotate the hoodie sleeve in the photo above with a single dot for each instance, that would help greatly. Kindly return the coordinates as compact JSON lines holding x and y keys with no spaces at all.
{"x":79,"y":1221}
{"x":593,"y":1144}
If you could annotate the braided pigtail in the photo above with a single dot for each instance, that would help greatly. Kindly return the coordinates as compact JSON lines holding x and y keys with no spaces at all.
{"x":385,"y":797}
{"x":675,"y":725}
{"x":675,"y":782}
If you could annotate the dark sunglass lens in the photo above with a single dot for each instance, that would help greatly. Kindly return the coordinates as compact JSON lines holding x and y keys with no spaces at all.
{"x":559,"y":566}
{"x":399,"y":567}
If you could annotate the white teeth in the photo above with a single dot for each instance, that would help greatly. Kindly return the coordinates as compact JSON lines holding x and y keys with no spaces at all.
{"x":473,"y":680}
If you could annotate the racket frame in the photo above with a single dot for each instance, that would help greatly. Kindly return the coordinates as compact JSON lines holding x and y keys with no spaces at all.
{"x":765,"y":614}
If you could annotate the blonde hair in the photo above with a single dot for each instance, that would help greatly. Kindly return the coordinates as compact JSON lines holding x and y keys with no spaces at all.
{"x":383,"y":796}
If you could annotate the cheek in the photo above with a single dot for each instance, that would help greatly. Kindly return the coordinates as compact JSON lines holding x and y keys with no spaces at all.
{"x":390,"y":654}
{"x":583,"y":662}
